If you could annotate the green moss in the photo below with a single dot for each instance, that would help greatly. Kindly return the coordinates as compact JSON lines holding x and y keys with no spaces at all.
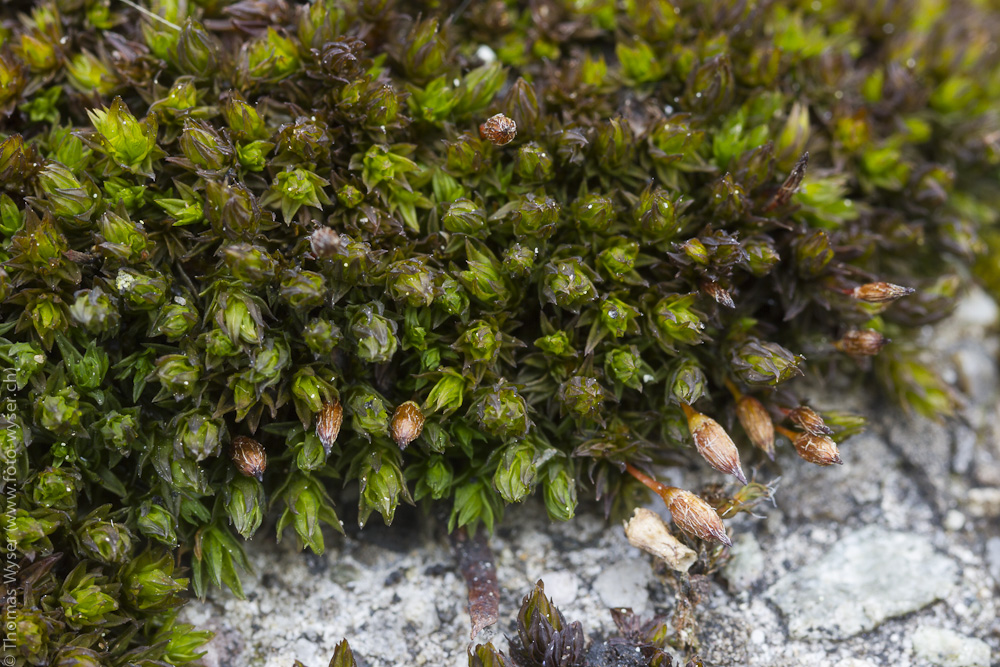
{"x":218,"y":224}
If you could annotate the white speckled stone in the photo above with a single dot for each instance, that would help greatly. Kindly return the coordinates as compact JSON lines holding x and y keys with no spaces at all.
{"x":947,"y":648}
{"x":746,"y":563}
{"x":865,"y":578}
{"x":561,"y":587}
{"x":623,"y":584}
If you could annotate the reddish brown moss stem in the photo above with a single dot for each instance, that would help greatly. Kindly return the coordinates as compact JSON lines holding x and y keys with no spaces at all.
{"x":664,"y":491}
{"x":731,"y":386}
{"x":787,"y":432}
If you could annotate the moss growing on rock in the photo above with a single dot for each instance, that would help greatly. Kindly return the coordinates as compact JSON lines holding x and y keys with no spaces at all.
{"x":521,"y":242}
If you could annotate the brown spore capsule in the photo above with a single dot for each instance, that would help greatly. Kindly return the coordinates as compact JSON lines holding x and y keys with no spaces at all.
{"x":714,"y":444}
{"x":328,"y":422}
{"x":498,"y":130}
{"x":818,"y":449}
{"x":719,"y":293}
{"x":407,"y":424}
{"x":757,"y":423}
{"x":696,"y":517}
{"x":324,"y":242}
{"x":862,"y":343}
{"x":809,"y":420}
{"x":880,"y":292}
{"x":691,"y":514}
{"x":249,"y":457}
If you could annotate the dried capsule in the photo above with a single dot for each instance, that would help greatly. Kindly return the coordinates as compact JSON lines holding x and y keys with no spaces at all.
{"x":695,"y":517}
{"x":249,"y":457}
{"x":809,"y":421}
{"x":407,"y":424}
{"x":818,"y":449}
{"x":328,"y":422}
{"x":719,"y":293}
{"x":324,"y":242}
{"x":647,"y":531}
{"x":714,"y":444}
{"x":862,"y":343}
{"x":879,"y":292}
{"x":791,"y":184}
{"x":498,"y":130}
{"x":757,"y":423}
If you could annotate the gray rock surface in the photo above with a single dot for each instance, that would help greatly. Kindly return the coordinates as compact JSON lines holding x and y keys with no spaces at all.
{"x":623,"y":584}
{"x":950,"y":649}
{"x":993,"y":558}
{"x":867,"y":577}
{"x":984,"y":502}
{"x":397,"y":596}
{"x":746,"y":563}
